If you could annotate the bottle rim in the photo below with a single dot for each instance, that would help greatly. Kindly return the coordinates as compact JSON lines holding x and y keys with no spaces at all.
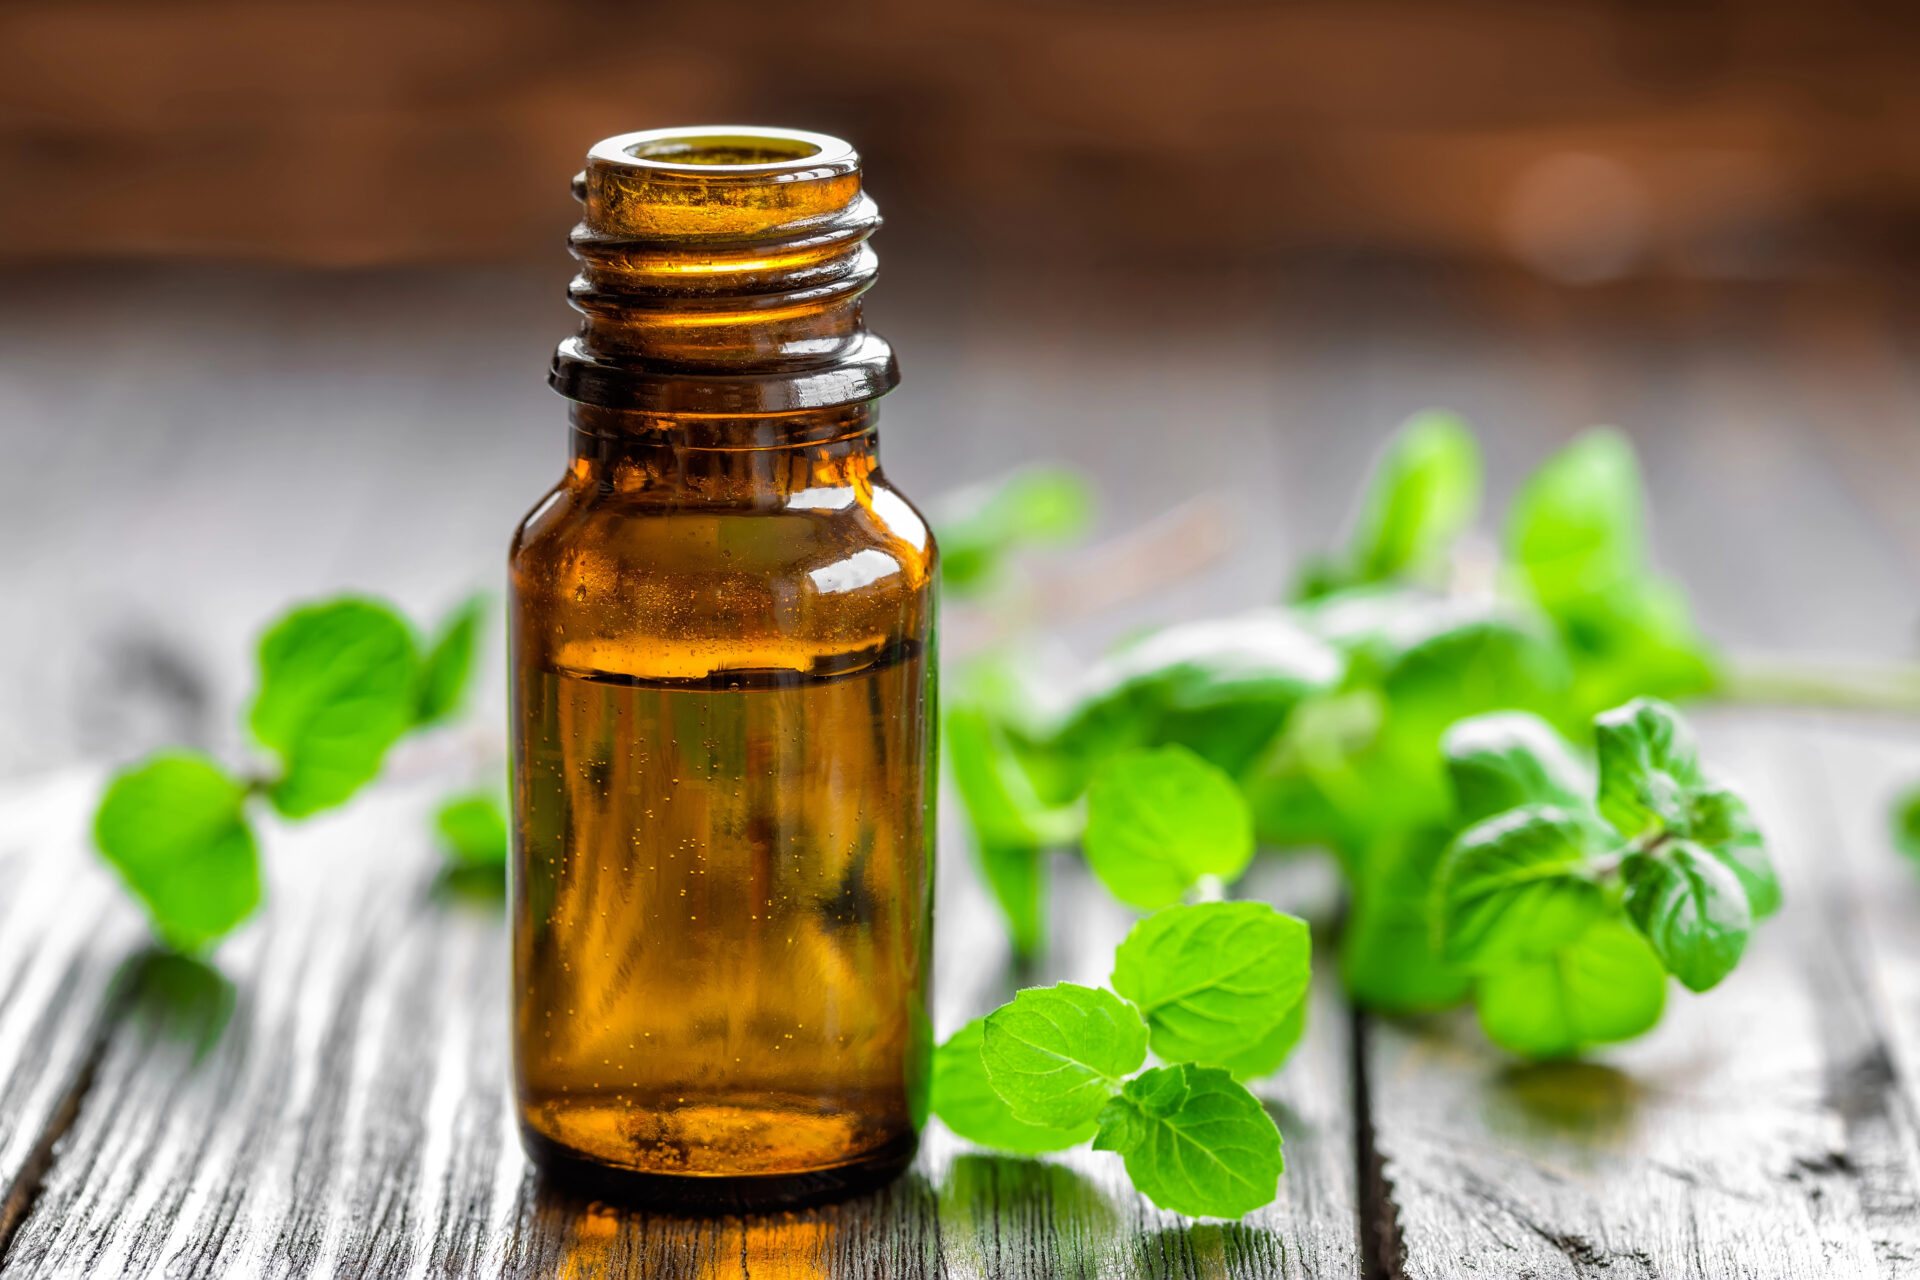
{"x":715,"y":151}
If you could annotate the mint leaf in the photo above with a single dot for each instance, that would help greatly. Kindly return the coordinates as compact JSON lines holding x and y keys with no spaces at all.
{"x":1362,"y":764}
{"x":1034,"y":505}
{"x":1056,"y":1054}
{"x":1607,"y":985}
{"x":1222,"y":688}
{"x":1215,"y":980}
{"x":473,"y":830}
{"x":964,"y":1099}
{"x":336,"y":689}
{"x":1653,"y":789}
{"x":1009,"y":824}
{"x":1457,"y":659}
{"x":1649,"y":768}
{"x":1194,"y":1141}
{"x":173,"y":827}
{"x":1692,"y":910}
{"x":1159,"y":819}
{"x":1389,"y":956}
{"x":1508,"y":759}
{"x":1577,"y":546}
{"x":448,"y":664}
{"x":1906,"y":823}
{"x":1721,"y":823}
{"x":1265,"y":1056}
{"x":1576,"y":529}
{"x":1516,"y":887}
{"x":1424,"y":493}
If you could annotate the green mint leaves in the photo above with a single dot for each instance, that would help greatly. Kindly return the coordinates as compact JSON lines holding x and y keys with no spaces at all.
{"x":1194,"y":1141}
{"x":1692,"y":909}
{"x":1158,"y":819}
{"x":1906,"y":823}
{"x":1424,"y":492}
{"x":1570,"y":913}
{"x":447,"y":669}
{"x":1010,"y":825}
{"x":964,"y":1098}
{"x":1056,"y":1054}
{"x":1216,"y":982}
{"x":1218,"y":990}
{"x":175,"y":829}
{"x":986,"y":525}
{"x":1576,"y":545}
{"x":1517,"y":886}
{"x":340,"y":682}
{"x":337,"y":688}
{"x":1504,"y":760}
{"x":473,"y":830}
{"x":1606,"y":985}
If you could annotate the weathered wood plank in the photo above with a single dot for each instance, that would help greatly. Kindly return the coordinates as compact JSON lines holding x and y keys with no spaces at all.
{"x":333,"y":1100}
{"x":313,"y":1105}
{"x":1851,"y":778}
{"x":1718,"y":1145}
{"x":63,"y":933}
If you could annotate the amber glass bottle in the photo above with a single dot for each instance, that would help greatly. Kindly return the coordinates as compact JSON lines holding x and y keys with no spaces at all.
{"x":722,"y":651}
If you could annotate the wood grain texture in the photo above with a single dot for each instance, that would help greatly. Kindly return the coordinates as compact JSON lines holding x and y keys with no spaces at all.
{"x":63,"y":931}
{"x":1848,"y":780}
{"x":332,"y":1100}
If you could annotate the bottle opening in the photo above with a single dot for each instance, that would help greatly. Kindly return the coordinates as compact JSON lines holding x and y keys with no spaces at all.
{"x":722,"y":149}
{"x":727,"y":150}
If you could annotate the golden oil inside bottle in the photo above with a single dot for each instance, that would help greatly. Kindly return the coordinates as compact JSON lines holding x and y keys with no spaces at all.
{"x":725,"y":976}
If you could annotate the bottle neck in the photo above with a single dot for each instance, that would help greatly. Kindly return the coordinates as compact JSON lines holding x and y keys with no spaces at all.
{"x":722,"y":273}
{"x":749,"y":462}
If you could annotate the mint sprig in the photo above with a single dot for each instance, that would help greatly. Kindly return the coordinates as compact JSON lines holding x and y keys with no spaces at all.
{"x":1411,"y":711}
{"x":340,"y":681}
{"x":1571,"y":917}
{"x":1218,"y":990}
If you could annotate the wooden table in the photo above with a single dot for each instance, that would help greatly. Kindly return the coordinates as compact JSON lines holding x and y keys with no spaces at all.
{"x":331,"y":1099}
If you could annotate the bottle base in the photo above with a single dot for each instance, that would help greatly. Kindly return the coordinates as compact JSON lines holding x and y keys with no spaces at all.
{"x":711,"y":1195}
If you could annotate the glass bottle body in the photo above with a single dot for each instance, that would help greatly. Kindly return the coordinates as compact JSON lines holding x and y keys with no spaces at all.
{"x":722,"y":647}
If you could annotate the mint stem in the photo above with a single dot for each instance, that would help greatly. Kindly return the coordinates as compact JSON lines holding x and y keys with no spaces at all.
{"x":1774,"y":681}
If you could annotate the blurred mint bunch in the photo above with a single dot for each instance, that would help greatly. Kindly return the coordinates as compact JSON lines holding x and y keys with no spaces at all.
{"x":1355,"y":719}
{"x":340,"y":681}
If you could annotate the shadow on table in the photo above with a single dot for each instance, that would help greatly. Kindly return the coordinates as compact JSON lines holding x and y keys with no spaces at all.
{"x":176,"y":998}
{"x":479,"y":888}
{"x":1588,"y":1101}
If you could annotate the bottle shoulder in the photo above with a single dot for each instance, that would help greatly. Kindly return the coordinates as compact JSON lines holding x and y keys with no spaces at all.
{"x":601,"y":582}
{"x":803,"y":533}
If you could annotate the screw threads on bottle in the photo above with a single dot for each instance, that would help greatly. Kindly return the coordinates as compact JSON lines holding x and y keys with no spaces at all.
{"x":721,"y":272}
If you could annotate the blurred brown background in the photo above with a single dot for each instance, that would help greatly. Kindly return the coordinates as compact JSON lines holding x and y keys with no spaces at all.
{"x":279,"y":281}
{"x":1586,"y":138}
